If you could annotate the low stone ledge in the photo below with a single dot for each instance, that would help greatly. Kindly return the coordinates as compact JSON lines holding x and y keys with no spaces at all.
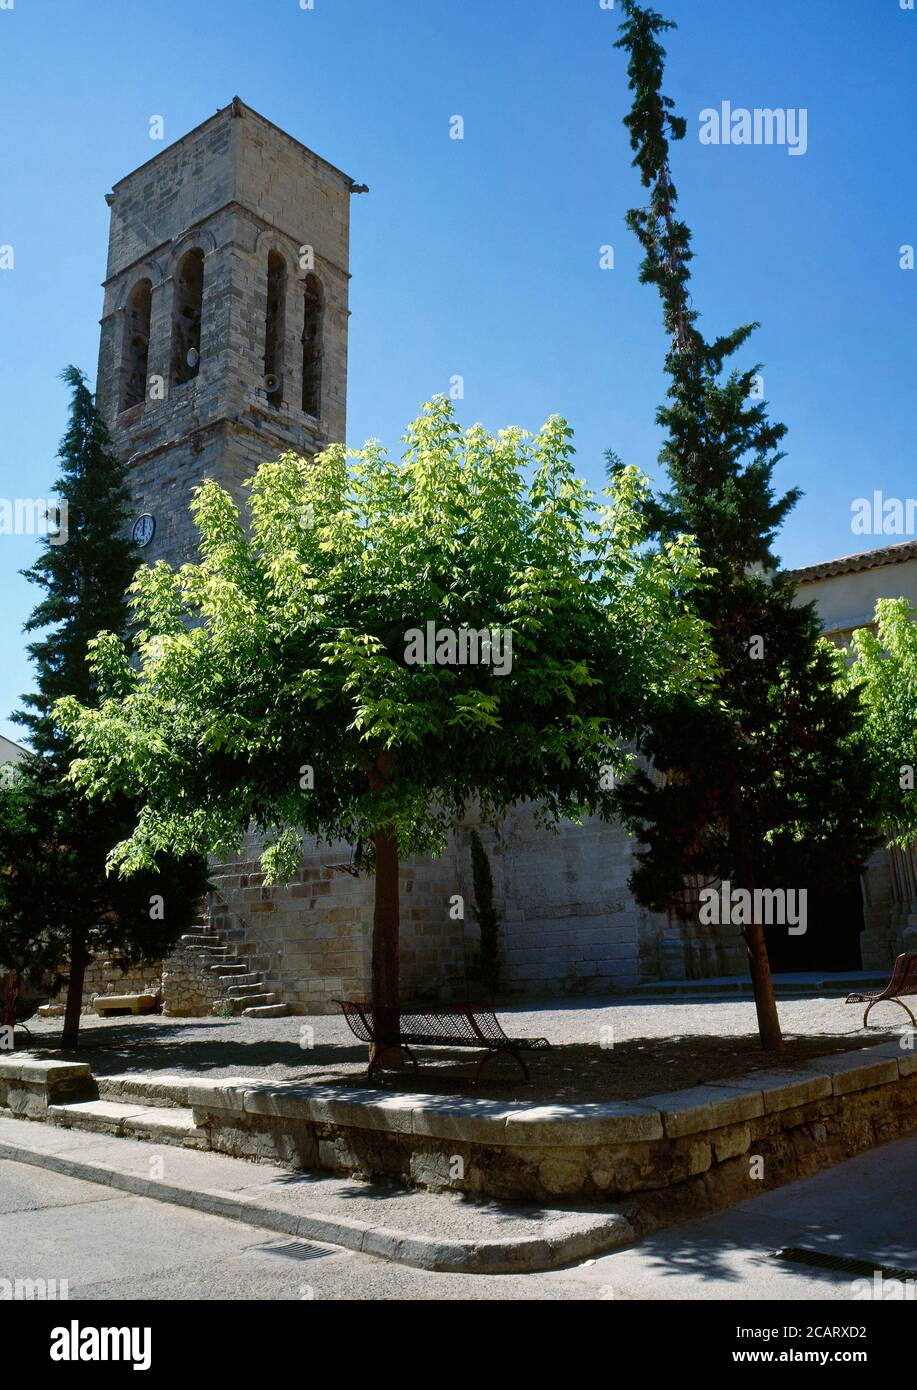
{"x":29,"y":1085}
{"x":705,"y":1107}
{"x":685,"y":1152}
{"x":850,"y":1072}
{"x":616,"y":1122}
{"x":906,"y":1057}
{"x":782,"y":1090}
{"x":495,"y":1122}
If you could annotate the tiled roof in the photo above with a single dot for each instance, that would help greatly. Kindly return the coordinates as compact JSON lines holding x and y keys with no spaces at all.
{"x":865,"y":560}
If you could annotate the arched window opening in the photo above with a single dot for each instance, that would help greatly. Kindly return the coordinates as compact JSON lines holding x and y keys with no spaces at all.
{"x":186,"y":317}
{"x":312,"y":347}
{"x":136,"y":344}
{"x":274,"y":327}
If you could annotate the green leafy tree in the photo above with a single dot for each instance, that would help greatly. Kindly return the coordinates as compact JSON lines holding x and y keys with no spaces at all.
{"x":56,"y":898}
{"x":884,"y":675}
{"x":279,"y":681}
{"x":487,"y":915}
{"x":764,"y":785}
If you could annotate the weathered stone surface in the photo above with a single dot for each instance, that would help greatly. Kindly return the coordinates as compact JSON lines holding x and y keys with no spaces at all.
{"x":782,"y":1090}
{"x":611,"y":1123}
{"x":704,"y":1108}
{"x":853,"y":1071}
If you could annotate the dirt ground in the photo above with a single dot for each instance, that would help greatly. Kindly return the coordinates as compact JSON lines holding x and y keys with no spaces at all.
{"x":657,"y":1048}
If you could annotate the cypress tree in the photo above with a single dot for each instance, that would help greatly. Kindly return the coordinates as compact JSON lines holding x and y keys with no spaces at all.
{"x":56,"y":899}
{"x":765,"y":785}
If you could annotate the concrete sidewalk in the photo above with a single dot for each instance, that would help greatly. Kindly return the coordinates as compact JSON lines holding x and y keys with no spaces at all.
{"x":412,"y":1227}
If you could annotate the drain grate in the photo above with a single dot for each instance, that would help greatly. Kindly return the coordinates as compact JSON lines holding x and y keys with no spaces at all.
{"x":293,"y":1250}
{"x":820,"y":1259}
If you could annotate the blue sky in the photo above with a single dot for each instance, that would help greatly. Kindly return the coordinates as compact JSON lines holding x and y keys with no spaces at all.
{"x":481,"y":257}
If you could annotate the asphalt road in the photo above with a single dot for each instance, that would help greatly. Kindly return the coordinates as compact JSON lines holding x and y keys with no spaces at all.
{"x":111,"y":1245}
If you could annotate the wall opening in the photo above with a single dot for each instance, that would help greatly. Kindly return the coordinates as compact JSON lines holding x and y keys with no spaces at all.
{"x":186,"y":317}
{"x":136,"y":344}
{"x":275,"y":327}
{"x":312,"y":347}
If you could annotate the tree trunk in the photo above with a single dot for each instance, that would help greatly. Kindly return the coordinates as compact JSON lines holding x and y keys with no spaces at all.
{"x":79,"y":959}
{"x":386,"y":931}
{"x":755,"y":943}
{"x":386,"y":1013}
{"x":12,"y":994}
{"x":763,"y":985}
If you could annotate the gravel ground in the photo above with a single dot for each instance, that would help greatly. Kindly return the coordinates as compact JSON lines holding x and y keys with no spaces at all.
{"x":603,"y":1049}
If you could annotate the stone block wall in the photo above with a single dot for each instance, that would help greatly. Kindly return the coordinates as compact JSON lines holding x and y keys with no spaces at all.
{"x":188,"y":987}
{"x":569,"y":923}
{"x":104,"y":976}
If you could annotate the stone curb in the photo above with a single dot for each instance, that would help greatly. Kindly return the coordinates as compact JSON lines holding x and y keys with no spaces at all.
{"x":518,"y":1125}
{"x":509,"y":1125}
{"x":527,"y":1254}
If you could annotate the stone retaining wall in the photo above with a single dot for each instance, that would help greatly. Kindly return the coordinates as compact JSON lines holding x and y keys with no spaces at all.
{"x":679,"y":1155}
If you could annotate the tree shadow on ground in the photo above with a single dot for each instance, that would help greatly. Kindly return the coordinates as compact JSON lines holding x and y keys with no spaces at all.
{"x":568,"y":1073}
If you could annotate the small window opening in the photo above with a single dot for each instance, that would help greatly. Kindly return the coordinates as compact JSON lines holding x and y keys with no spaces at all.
{"x":186,"y":317}
{"x":312,"y":347}
{"x":136,"y":344}
{"x":274,"y":327}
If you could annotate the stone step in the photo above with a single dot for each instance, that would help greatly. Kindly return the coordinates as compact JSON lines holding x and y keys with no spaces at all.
{"x":171,"y":1123}
{"x":200,"y":939}
{"x":211,"y":950}
{"x":240,"y":1003}
{"x":238,"y":973}
{"x":228,"y":982}
{"x":267,"y":1011}
{"x":145,"y":1089}
{"x":236,"y":991}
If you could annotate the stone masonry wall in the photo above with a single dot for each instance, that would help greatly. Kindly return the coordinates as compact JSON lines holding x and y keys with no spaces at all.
{"x":104,"y":976}
{"x":188,"y":986}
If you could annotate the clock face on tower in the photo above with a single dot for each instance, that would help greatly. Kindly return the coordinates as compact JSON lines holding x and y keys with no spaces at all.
{"x":144,"y":529}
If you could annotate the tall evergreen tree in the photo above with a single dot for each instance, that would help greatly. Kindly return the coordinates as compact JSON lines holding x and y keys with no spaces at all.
{"x":85,"y":575}
{"x":56,"y":898}
{"x":765,"y":785}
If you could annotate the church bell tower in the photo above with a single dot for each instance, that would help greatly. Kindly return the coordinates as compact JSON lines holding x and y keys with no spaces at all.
{"x":224,"y":329}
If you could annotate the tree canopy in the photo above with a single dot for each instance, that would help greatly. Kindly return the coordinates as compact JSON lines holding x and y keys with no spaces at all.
{"x":277,"y":682}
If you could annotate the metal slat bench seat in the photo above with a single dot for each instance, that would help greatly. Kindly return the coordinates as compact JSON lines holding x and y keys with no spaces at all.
{"x":903,"y":981}
{"x":449,"y":1025}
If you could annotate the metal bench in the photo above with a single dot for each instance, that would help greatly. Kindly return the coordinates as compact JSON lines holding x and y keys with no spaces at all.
{"x":450,"y":1025}
{"x":903,"y":981}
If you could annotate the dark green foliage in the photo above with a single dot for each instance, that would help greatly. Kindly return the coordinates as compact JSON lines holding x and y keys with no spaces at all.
{"x":487,"y":915}
{"x":84,"y":579}
{"x":769,"y":784}
{"x":55,"y":896}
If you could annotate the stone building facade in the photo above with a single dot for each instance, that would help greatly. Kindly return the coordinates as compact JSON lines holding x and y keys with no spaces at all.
{"x":224,"y":328}
{"x":224,"y":343}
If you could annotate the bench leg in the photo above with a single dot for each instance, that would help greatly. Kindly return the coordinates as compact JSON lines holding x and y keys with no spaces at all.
{"x":495,"y":1051}
{"x":890,"y":1001}
{"x":378,"y":1053}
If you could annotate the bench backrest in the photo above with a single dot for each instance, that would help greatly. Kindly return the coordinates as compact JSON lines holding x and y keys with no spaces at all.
{"x":904,"y":975}
{"x":447,"y":1022}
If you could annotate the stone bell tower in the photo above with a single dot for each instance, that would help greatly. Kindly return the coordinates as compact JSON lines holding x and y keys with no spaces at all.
{"x":224,"y":331}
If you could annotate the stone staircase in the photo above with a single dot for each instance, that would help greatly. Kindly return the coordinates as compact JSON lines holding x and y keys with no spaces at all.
{"x":236,"y":968}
